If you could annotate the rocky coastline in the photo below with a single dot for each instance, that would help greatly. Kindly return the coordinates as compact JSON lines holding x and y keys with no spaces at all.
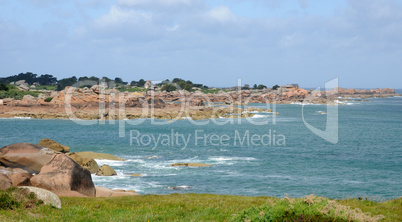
{"x":96,"y":103}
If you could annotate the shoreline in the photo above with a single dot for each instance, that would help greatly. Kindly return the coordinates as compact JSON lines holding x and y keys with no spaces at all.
{"x":169,"y":111}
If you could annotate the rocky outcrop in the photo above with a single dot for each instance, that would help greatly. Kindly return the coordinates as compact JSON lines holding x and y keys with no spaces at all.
{"x":21,"y":179}
{"x":64,"y":174}
{"x":46,"y":196}
{"x":99,"y":156}
{"x":105,"y":192}
{"x":106,"y":170}
{"x":18,"y":176}
{"x":190,"y":165}
{"x":54,"y":145}
{"x":87,"y":163}
{"x":5,"y":182}
{"x":27,"y":156}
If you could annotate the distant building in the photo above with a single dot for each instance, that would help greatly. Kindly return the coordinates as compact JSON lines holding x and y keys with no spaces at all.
{"x":292,"y":86}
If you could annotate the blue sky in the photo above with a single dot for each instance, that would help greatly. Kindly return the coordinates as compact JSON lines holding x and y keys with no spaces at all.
{"x":213,"y":42}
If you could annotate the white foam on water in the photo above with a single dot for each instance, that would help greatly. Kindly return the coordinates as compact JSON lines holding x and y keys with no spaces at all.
{"x":303,"y":104}
{"x":230,"y":160}
{"x":344,"y":103}
{"x":352,"y":181}
{"x":135,"y":161}
{"x":277,"y":176}
{"x":260,"y":116}
{"x":110,"y":162}
{"x":21,"y":117}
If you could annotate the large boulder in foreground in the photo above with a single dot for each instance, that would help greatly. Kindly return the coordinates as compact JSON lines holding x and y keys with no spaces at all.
{"x":106,"y":170}
{"x":64,"y":174}
{"x":18,"y":176}
{"x":5,"y":182}
{"x":27,"y":156}
{"x":87,"y":163}
{"x":190,"y":165}
{"x":46,"y":196}
{"x":54,"y":145}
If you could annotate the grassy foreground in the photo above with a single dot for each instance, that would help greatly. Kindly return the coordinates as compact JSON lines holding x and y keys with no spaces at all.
{"x":179,"y":207}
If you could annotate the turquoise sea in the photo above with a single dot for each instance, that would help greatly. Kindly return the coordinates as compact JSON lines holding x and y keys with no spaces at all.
{"x":247,"y":158}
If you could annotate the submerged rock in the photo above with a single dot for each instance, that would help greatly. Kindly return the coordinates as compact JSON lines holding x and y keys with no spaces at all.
{"x":190,"y":165}
{"x":135,"y":175}
{"x":99,"y":156}
{"x":180,"y":188}
{"x":106,"y":170}
{"x":54,"y":145}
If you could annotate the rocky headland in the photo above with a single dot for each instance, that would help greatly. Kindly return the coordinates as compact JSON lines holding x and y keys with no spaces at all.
{"x":102,"y":103}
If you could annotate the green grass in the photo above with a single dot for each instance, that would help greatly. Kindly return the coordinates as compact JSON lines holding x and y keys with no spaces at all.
{"x":174,"y":207}
{"x":17,"y":94}
{"x":45,"y":87}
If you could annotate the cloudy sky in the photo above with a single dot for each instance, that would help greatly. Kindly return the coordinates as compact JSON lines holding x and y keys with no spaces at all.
{"x":213,"y":42}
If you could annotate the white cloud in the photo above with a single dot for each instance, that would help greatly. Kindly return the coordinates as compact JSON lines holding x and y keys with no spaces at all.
{"x":221,"y":14}
{"x":118,"y":16}
{"x":166,"y":3}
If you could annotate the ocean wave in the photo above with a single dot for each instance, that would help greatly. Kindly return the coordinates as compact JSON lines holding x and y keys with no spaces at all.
{"x":230,"y":160}
{"x":110,"y":162}
{"x":303,"y":104}
{"x":260,"y":116}
{"x":344,"y":103}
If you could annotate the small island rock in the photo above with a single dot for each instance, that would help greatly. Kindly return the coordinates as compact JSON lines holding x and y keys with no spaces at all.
{"x":106,"y":170}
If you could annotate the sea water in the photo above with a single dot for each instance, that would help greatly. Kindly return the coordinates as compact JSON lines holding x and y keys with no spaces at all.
{"x":266,"y":155}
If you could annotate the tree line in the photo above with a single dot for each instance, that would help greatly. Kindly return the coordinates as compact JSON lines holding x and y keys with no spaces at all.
{"x":47,"y":79}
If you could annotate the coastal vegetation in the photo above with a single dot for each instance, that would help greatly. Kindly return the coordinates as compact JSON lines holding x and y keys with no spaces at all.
{"x":49,"y":82}
{"x":199,"y":207}
{"x":7,"y":91}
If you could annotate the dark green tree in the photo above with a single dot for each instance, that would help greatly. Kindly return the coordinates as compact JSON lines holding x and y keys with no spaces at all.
{"x":141,"y":83}
{"x":275,"y":87}
{"x":4,"y":87}
{"x":168,"y":87}
{"x":118,"y":80}
{"x":66,"y":82}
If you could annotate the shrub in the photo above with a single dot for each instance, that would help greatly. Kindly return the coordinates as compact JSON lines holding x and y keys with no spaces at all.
{"x":4,"y":87}
{"x":16,"y":198}
{"x":168,"y":88}
{"x":48,"y":99}
{"x":17,"y":94}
